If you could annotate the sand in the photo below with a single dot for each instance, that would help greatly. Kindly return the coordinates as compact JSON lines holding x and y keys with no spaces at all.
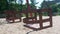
{"x":18,"y":28}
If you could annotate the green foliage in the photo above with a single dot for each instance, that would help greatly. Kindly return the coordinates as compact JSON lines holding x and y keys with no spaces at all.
{"x":54,"y":8}
{"x":3,"y":6}
{"x":33,"y":3}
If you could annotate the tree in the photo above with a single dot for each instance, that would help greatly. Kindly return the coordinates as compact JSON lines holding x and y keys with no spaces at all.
{"x":33,"y":3}
{"x":3,"y":5}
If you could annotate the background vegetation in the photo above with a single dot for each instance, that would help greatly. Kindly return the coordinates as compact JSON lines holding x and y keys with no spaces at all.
{"x":13,"y":5}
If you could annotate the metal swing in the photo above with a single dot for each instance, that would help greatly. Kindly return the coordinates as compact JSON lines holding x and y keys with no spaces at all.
{"x":11,"y":16}
{"x":33,"y":20}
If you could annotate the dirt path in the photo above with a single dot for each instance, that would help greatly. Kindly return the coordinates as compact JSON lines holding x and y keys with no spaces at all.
{"x":18,"y":28}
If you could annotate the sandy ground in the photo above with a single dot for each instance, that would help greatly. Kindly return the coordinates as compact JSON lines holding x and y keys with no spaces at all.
{"x":18,"y":28}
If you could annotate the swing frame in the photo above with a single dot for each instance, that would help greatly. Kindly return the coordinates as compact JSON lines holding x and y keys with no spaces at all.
{"x":11,"y":16}
{"x":40,"y":21}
